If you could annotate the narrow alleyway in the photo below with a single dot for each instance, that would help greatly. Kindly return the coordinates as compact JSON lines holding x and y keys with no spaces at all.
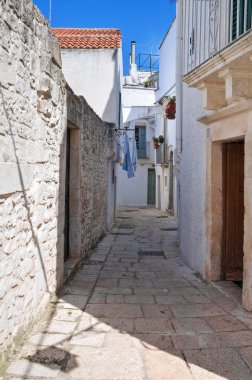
{"x":134,"y":311}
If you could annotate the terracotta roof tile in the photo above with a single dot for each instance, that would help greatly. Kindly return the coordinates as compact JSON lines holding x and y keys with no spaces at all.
{"x":88,"y":38}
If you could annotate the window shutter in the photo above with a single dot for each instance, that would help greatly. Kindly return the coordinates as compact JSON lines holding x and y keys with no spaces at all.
{"x":249,"y":14}
{"x":234,"y":19}
{"x":141,"y":141}
{"x":243,"y":19}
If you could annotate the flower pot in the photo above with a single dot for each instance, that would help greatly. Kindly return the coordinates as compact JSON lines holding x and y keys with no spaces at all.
{"x":156,"y":145}
{"x":170,"y":111}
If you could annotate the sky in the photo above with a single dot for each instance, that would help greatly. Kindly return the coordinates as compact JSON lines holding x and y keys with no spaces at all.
{"x":145,"y":22}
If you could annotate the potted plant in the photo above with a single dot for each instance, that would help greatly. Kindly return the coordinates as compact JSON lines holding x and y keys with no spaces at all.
{"x":161,"y":139}
{"x":155,"y":142}
{"x":170,"y":108}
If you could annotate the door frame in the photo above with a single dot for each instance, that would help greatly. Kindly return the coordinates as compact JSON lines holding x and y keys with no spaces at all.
{"x":226,"y":127}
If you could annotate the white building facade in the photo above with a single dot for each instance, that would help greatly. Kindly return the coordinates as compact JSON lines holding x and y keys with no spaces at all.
{"x":139,"y":118}
{"x":214,"y":135}
{"x":165,"y":155}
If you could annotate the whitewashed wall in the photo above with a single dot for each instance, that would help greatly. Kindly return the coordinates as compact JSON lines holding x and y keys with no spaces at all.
{"x":167,"y":64}
{"x":167,"y":128}
{"x":93,"y":73}
{"x":133,"y":191}
{"x":138,"y":96}
{"x":191,"y":159}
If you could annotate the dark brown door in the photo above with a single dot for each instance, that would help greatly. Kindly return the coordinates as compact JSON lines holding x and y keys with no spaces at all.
{"x":67,"y":197}
{"x":233,"y":210}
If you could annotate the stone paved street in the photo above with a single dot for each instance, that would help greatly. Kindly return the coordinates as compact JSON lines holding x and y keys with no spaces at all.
{"x":129,"y":315}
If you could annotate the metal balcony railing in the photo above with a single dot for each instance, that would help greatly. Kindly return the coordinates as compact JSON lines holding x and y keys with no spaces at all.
{"x":162,"y":155}
{"x":210,"y":25}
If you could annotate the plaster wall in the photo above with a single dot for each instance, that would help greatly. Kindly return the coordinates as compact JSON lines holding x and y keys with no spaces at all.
{"x":94,"y":74}
{"x":137,"y":96}
{"x":191,"y":175}
{"x":167,"y":64}
{"x":133,"y":191}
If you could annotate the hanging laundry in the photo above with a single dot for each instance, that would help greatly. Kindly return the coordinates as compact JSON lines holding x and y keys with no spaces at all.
{"x":127,"y":164}
{"x":134,"y":155}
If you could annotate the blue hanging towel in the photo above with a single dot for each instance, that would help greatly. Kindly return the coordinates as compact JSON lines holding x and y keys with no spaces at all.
{"x":127,"y":164}
{"x":134,"y":155}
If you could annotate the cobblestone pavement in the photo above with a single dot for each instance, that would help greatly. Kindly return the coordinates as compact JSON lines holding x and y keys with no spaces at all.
{"x":130,"y":315}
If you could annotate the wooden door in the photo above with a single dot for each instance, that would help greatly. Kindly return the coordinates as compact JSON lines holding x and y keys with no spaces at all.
{"x":233,"y":170}
{"x":151,"y":187}
{"x":67,"y":197}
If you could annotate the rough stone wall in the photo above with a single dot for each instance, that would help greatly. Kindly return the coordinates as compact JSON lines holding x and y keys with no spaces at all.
{"x":32,"y":123}
{"x":95,"y":149}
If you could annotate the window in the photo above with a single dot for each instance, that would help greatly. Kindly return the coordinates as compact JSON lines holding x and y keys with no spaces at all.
{"x":140,"y":134}
{"x":240,"y":17}
{"x":166,"y":181}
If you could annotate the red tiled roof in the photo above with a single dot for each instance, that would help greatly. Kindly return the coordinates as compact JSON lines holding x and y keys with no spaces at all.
{"x":88,"y":38}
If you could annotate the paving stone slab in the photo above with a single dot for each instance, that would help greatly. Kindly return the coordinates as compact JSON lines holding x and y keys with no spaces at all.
{"x":55,"y":326}
{"x":26,"y":368}
{"x":119,"y":291}
{"x":225,"y":323}
{"x":191,"y":325}
{"x":114,"y":364}
{"x":246,"y":355}
{"x":139,"y":299}
{"x":157,"y":311}
{"x":166,"y":366}
{"x":197,"y":310}
{"x":115,"y":298}
{"x":114,"y":310}
{"x":155,"y":341}
{"x":67,"y":315}
{"x":120,"y":324}
{"x":217,"y":364}
{"x":153,"y":325}
{"x":48,"y":339}
{"x":92,"y":339}
{"x":170,"y":300}
{"x":218,"y":340}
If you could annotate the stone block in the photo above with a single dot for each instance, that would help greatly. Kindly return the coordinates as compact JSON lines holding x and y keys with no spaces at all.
{"x":225,"y":323}
{"x":197,"y":310}
{"x":7,"y":71}
{"x":26,"y":368}
{"x":166,"y":365}
{"x":153,"y":325}
{"x":92,"y":339}
{"x":216,"y":364}
{"x":114,"y":311}
{"x":15,"y":177}
{"x":114,"y":361}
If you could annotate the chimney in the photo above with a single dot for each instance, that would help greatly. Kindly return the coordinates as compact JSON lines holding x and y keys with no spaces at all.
{"x":133,"y":52}
{"x":133,"y":66}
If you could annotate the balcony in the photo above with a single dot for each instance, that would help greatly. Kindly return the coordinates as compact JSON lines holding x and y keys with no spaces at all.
{"x":162,"y":155}
{"x":211,"y":26}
